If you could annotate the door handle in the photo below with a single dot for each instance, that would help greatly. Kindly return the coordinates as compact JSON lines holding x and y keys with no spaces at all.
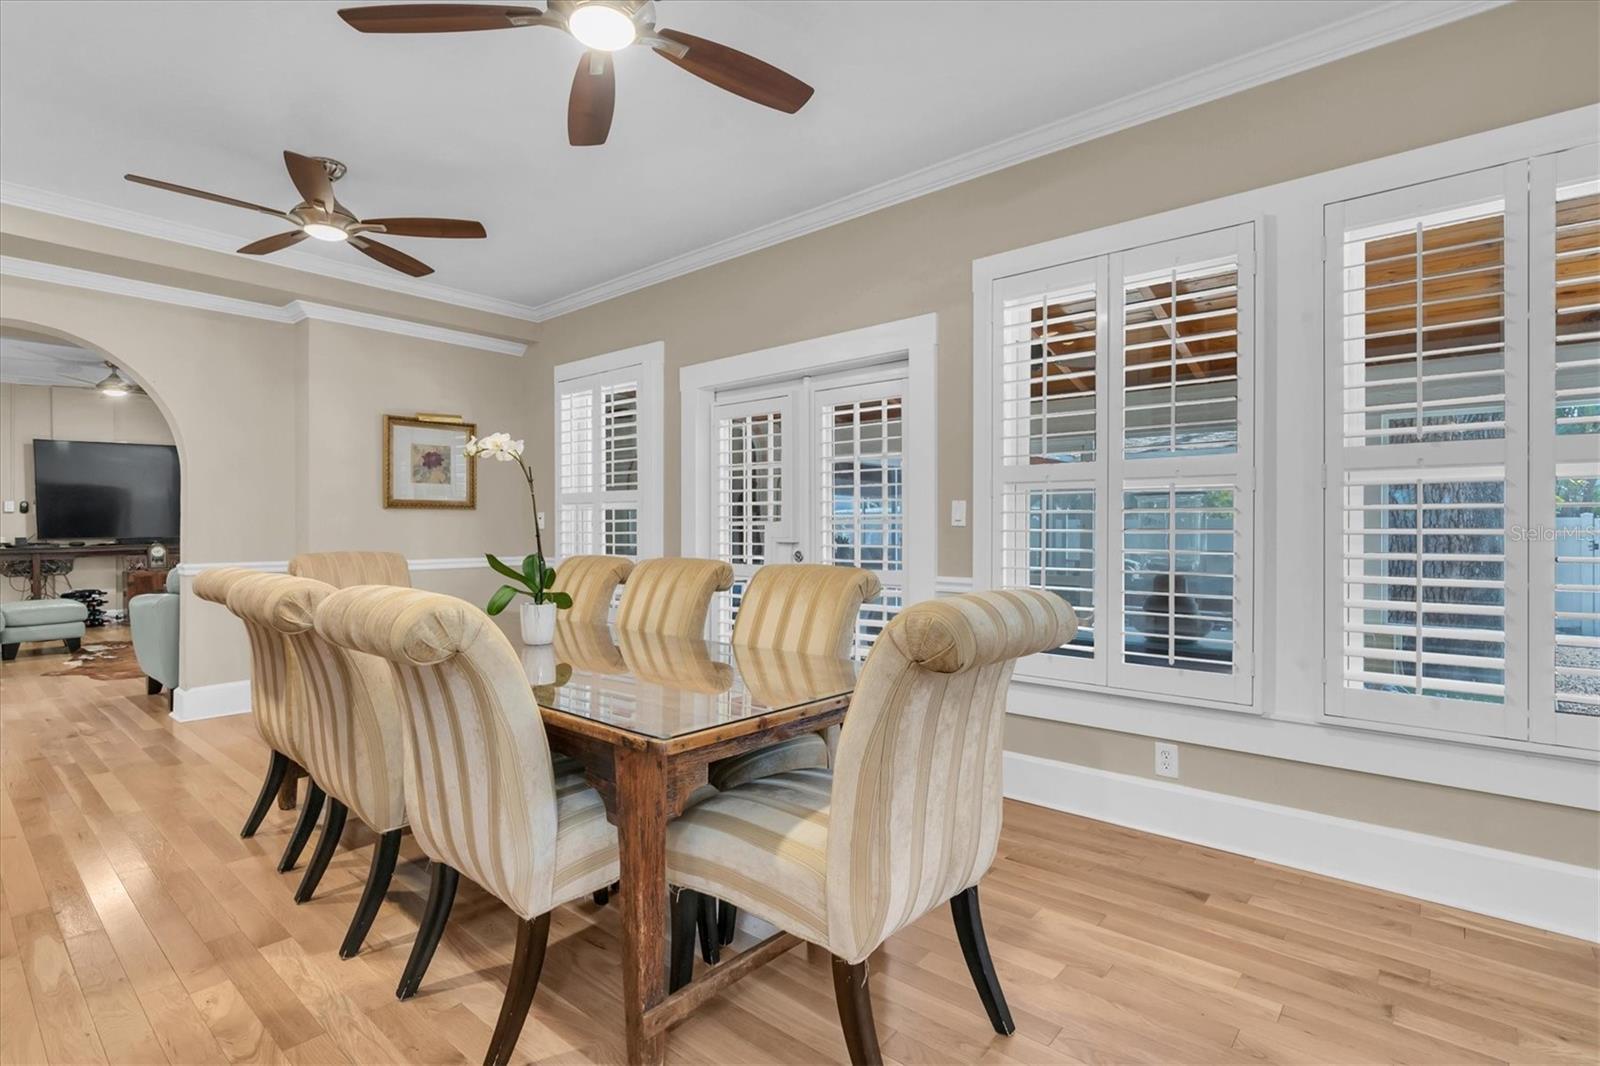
{"x":799,"y":556}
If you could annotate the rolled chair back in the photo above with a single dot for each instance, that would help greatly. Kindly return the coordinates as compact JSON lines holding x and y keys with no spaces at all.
{"x":350,"y":737}
{"x":670,"y":597}
{"x":274,"y":672}
{"x":916,"y":802}
{"x":803,"y":607}
{"x":344,"y":569}
{"x":477,"y":770}
{"x":591,"y":581}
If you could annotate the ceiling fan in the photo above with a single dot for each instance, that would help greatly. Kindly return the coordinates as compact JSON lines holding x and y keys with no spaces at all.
{"x":603,"y":27}
{"x":322,"y":217}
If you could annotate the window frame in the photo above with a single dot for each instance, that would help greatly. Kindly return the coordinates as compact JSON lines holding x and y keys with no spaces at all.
{"x":1193,"y":234}
{"x":1289,"y":555}
{"x":642,"y":366}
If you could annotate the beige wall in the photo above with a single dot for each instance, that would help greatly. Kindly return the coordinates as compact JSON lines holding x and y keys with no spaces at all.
{"x":1505,"y":66}
{"x":30,"y":411}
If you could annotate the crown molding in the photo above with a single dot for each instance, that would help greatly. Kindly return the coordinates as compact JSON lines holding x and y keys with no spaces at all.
{"x":288,"y":314}
{"x":1358,"y":33}
{"x":98,"y":214}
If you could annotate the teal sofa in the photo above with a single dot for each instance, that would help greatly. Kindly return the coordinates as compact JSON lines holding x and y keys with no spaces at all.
{"x":32,"y":620}
{"x":154,"y":620}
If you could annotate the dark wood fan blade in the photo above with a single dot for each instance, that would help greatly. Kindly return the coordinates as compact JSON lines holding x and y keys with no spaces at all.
{"x":593,"y":100}
{"x":428,"y":227}
{"x":310,"y":177}
{"x":393,"y":258}
{"x":746,"y":76}
{"x":435,"y":18}
{"x":276,"y":242}
{"x":202,"y":194}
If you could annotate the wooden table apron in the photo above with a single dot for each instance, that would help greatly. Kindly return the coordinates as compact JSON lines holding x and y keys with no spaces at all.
{"x":646,"y":782}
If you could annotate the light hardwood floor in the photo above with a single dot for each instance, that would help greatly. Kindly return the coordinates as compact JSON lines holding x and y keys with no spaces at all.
{"x":135,"y":926}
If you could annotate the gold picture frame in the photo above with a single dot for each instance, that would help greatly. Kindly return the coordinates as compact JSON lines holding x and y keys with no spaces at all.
{"x":425,"y":464}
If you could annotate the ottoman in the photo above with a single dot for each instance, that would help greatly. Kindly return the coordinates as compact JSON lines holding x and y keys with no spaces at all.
{"x":40,"y":620}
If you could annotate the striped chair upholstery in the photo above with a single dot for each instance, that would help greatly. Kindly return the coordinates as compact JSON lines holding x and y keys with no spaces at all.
{"x":591,"y":581}
{"x":910,"y":815}
{"x":805,"y":608}
{"x":671,"y":596}
{"x":483,"y":799}
{"x":351,"y":739}
{"x":343,"y":569}
{"x":275,"y":700}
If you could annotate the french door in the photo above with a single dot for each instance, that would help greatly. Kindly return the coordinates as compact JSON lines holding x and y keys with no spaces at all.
{"x":813,"y":470}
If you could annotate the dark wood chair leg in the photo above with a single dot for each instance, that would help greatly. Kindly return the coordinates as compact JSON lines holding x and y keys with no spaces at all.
{"x":384,"y":854}
{"x":710,"y":937}
{"x":73,"y":643}
{"x":291,"y":786}
{"x":975,"y":946}
{"x":302,"y":827}
{"x":441,"y":895}
{"x":685,"y":922}
{"x":327,"y":844}
{"x":855,"y":1012}
{"x":277,"y":767}
{"x":532,"y":936}
{"x":8,"y":652}
{"x":727,"y":921}
{"x":601,"y":896}
{"x":152,"y":687}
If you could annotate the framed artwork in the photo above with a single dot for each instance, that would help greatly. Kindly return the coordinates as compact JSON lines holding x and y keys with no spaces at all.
{"x":425,"y":462}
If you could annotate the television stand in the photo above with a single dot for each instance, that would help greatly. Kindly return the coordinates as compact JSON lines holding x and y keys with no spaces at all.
{"x":37,"y":553}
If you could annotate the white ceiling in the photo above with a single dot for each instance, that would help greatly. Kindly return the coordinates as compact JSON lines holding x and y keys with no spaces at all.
{"x":474,"y":124}
{"x":30,"y":360}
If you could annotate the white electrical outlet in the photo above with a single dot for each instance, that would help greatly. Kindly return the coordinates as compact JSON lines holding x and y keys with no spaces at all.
{"x":1166,"y":759}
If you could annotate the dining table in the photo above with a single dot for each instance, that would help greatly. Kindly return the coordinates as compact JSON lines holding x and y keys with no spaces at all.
{"x":645,"y":716}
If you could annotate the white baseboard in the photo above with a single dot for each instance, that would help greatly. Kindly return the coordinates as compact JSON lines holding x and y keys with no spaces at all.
{"x":1549,"y":895}
{"x":210,"y":701}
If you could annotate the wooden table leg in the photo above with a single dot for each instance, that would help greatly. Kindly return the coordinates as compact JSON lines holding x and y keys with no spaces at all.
{"x":641,"y":818}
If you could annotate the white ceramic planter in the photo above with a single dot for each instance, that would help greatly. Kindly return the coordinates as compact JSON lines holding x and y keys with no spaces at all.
{"x":538,"y":623}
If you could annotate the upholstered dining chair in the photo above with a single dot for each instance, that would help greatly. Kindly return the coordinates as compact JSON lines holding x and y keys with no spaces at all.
{"x":807,"y":608}
{"x":343,"y":569}
{"x":908,"y":818}
{"x":273,"y":678}
{"x":670,"y":597}
{"x":351,"y":741}
{"x":591,"y":581}
{"x":483,"y":801}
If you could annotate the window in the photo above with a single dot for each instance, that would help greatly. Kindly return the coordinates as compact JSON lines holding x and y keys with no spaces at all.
{"x":1122,"y":462}
{"x":608,"y":428}
{"x":1464,"y":330}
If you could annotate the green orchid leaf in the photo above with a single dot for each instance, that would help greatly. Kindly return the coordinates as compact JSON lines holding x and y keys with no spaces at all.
{"x":549,"y":576}
{"x":532,"y":568}
{"x":506,"y":571}
{"x":502,"y":596}
{"x":562,"y":601}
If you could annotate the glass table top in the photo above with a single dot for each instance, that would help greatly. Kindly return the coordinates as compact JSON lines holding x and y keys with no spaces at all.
{"x":665,"y":687}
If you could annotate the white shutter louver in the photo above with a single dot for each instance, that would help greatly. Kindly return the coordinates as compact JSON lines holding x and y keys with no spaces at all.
{"x":598,"y":465}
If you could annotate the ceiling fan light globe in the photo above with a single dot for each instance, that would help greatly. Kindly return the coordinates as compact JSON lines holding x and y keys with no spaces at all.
{"x":602,"y":27}
{"x":322,"y":231}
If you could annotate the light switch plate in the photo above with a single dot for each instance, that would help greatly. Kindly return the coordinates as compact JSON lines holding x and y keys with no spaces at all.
{"x":541,"y":521}
{"x":958,"y":512}
{"x":11,"y":507}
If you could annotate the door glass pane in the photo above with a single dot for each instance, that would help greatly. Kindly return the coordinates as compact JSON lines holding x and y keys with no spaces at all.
{"x":749,"y":486}
{"x":1577,"y":326}
{"x":861,"y":505}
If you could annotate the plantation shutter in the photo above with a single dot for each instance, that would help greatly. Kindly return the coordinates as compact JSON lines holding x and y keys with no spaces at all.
{"x":1427,"y":370}
{"x":1564,"y":451}
{"x":1123,"y":473}
{"x":597,"y":465}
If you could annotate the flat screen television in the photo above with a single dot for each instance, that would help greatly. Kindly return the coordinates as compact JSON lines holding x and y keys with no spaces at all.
{"x":88,"y":490}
